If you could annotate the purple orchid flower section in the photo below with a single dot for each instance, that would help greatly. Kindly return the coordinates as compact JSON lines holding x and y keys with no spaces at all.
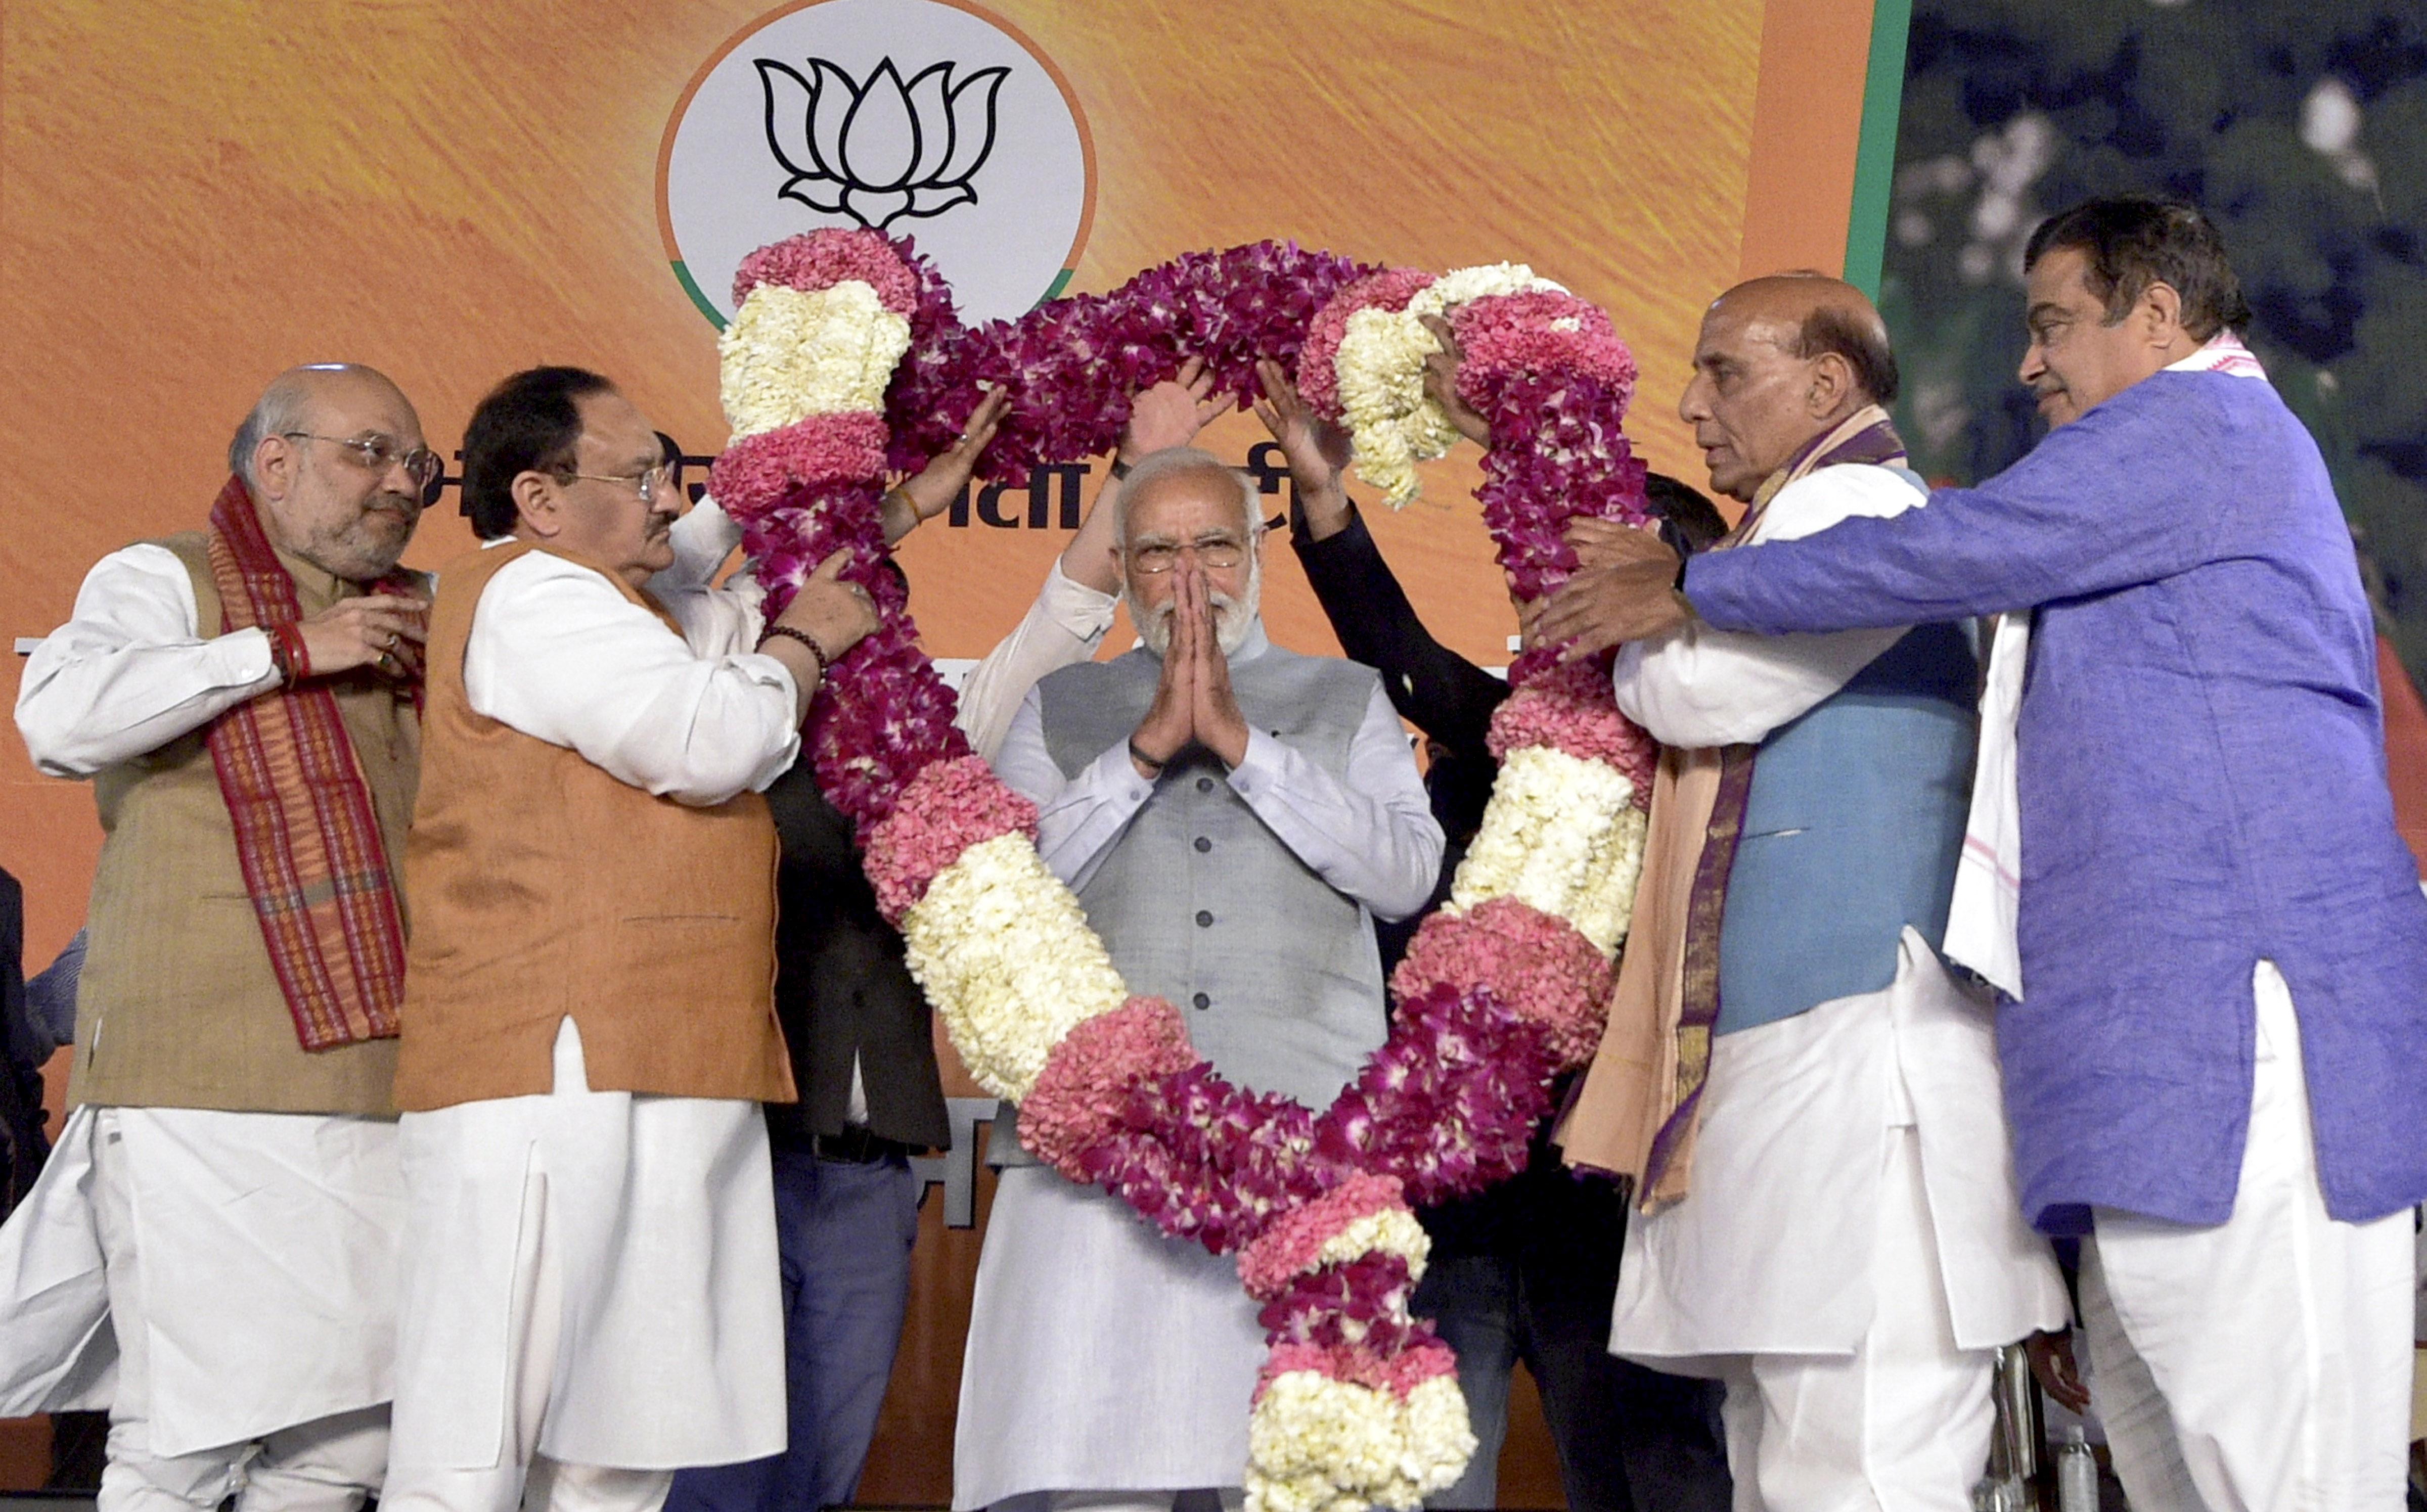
{"x":1557,"y":453}
{"x":1363,"y":1303}
{"x":1071,"y":364}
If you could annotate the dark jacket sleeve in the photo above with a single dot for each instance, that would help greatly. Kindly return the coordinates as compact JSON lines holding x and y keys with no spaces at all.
{"x":842,"y":989}
{"x":1433,"y":687}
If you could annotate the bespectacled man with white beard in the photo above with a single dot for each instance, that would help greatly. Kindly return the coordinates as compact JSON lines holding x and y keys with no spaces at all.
{"x":1233,"y":817}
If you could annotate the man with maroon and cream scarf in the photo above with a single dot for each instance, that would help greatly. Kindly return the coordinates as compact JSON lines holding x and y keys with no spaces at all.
{"x":226,"y":1194}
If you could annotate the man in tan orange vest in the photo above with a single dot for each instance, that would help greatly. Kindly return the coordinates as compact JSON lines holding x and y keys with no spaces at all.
{"x":222,"y":1212}
{"x":590,"y":1288}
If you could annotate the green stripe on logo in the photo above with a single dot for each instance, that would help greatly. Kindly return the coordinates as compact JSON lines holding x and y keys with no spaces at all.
{"x":701,"y":300}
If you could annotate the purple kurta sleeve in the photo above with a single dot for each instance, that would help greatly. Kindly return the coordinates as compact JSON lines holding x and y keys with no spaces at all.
{"x":2084,"y":513}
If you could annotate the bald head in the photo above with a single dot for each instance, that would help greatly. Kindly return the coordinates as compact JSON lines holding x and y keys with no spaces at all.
{"x":1828,"y":315}
{"x":1782,"y":360}
{"x":286,"y":406}
{"x":332,"y":456}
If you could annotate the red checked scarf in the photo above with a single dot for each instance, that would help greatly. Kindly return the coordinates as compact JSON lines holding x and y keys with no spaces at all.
{"x":306,"y":831}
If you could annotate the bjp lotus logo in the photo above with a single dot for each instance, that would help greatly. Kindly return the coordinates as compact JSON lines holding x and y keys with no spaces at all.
{"x":879,"y":150}
{"x":932,"y":118}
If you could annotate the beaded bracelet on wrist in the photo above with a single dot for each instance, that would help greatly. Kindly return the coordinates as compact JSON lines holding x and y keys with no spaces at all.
{"x":825,"y":663}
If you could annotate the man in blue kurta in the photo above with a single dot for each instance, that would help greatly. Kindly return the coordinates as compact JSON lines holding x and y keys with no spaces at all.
{"x":2216,"y":1065}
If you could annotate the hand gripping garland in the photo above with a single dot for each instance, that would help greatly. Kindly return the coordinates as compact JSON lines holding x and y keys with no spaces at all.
{"x":1357,"y":1402}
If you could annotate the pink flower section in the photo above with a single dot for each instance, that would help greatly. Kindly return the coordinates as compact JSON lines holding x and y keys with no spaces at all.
{"x":754,"y":473}
{"x":1398,"y":1373}
{"x":820,"y":259}
{"x":948,"y":807}
{"x":1569,"y":709}
{"x":1318,"y":376}
{"x":1535,"y":962}
{"x":1089,"y":1077}
{"x":1504,"y":333}
{"x":1290,"y":1246}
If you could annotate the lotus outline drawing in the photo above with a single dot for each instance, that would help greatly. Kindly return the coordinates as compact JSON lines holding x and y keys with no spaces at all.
{"x":880,"y":149}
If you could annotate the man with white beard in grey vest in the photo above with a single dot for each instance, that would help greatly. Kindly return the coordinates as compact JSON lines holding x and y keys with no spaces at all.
{"x":1233,"y":817}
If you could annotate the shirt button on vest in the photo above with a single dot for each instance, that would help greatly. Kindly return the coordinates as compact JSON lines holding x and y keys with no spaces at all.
{"x":1204,"y":919}
{"x":1203,"y":845}
{"x":1202,"y":1001}
{"x":1205,"y":785}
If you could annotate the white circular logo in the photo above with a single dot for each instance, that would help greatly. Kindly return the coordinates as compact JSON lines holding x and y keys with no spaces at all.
{"x":923,"y":117}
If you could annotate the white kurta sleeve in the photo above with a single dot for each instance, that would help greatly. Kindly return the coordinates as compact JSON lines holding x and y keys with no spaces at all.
{"x":132,"y":671}
{"x":716,"y":621}
{"x":558,"y":652}
{"x":1695,"y":686}
{"x":1065,"y":625}
{"x":1078,"y":818}
{"x":1372,"y":836}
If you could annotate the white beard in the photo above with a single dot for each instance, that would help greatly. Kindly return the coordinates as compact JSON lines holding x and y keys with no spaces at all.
{"x":1233,"y":618}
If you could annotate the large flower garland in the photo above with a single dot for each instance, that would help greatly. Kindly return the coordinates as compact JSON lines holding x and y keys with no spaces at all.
{"x":1357,"y":1402}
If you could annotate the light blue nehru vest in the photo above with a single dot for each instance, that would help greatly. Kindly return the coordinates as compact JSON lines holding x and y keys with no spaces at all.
{"x":1851,"y":831}
{"x":1274,"y":971}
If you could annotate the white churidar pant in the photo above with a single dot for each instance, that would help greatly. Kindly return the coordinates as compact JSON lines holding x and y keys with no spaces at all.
{"x":1901,"y":1422}
{"x":2261,"y":1364}
{"x":226,"y":1287}
{"x":329,"y":1462}
{"x":1851,"y":1253}
{"x":1102,"y":1356}
{"x":225,"y":1284}
{"x":590,"y":1292}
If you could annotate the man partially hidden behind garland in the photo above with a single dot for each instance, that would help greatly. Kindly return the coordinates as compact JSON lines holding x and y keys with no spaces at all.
{"x":225,"y":1194}
{"x":1232,"y":817}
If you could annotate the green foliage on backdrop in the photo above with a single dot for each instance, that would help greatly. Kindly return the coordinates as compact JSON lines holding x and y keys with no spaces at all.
{"x":2300,"y":125}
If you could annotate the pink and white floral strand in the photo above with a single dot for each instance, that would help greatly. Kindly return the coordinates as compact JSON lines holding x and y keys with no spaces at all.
{"x":1497,"y":995}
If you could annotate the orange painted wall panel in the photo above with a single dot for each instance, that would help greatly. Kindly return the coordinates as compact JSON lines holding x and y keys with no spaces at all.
{"x":192,"y":197}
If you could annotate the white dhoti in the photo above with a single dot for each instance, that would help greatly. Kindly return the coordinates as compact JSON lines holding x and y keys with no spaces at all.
{"x":2261,"y":1364}
{"x":225,"y":1284}
{"x":1102,"y":1356}
{"x":1852,"y":1252}
{"x":590,"y":1282}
